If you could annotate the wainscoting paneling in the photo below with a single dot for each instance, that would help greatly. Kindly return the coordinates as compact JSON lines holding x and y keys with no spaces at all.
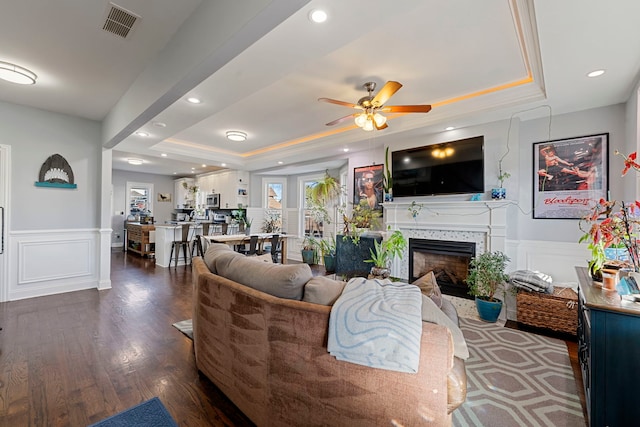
{"x":52,"y":261}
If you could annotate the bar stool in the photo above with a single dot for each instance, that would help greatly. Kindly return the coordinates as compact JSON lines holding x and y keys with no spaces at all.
{"x":182,"y":243}
{"x":253,"y":246}
{"x":197,"y":240}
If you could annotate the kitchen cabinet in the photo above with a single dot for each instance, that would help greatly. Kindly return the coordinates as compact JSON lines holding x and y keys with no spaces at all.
{"x":608,"y":352}
{"x":140,"y":238}
{"x":181,"y":194}
{"x":233,"y":187}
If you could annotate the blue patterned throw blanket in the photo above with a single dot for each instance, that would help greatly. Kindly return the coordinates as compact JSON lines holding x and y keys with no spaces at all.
{"x":377,"y":323}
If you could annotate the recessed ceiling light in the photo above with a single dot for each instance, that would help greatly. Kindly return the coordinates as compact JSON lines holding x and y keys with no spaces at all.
{"x":136,"y":162}
{"x":164,"y":154}
{"x":193,"y":169}
{"x":194,"y":100}
{"x":143,"y":134}
{"x":204,"y":166}
{"x":449,"y":128}
{"x":175,"y":173}
{"x":346,"y":150}
{"x":595,"y":73}
{"x":236,"y":135}
{"x":280,"y":162}
{"x":16,"y":74}
{"x":159,"y":124}
{"x":318,"y":16}
{"x":223,"y":164}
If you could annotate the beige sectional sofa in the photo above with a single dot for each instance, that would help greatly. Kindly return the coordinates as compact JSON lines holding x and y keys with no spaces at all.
{"x":266,"y":349}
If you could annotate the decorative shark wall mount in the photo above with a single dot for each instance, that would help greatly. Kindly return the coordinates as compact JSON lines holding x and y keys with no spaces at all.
{"x":56,"y":172}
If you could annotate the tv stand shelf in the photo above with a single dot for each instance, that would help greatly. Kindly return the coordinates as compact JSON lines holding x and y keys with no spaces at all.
{"x":608,"y":353}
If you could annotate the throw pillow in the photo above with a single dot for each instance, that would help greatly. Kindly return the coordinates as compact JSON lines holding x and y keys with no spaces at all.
{"x":429,"y":287}
{"x":323,"y":290}
{"x":280,"y":280}
{"x":214,"y":251}
{"x":432,"y":314}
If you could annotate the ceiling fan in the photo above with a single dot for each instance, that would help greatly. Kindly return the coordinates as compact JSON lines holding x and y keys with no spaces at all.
{"x":370,"y":118}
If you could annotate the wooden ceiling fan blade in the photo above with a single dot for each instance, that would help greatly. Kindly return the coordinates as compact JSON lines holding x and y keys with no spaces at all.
{"x":335,"y":101}
{"x":406,"y":109}
{"x":384,"y":126}
{"x":342,"y":119}
{"x":385,"y":93}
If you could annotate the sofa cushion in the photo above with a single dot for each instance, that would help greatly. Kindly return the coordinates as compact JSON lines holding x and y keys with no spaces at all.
{"x":215,"y":251}
{"x":323,"y":290}
{"x":429,"y":287}
{"x":432,"y":314}
{"x":280,"y":280}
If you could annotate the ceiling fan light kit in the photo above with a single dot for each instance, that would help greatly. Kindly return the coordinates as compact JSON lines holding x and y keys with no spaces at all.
{"x":16,"y":74}
{"x":370,"y":117}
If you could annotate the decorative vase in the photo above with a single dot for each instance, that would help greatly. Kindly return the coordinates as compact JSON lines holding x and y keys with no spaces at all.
{"x":488,"y":310}
{"x":329,"y":263}
{"x":388,"y":196}
{"x":499,"y":193}
{"x":380,"y":272}
{"x":247,"y":231}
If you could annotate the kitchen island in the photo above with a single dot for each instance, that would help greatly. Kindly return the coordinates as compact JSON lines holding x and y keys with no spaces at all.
{"x":166,"y":234}
{"x":140,"y":238}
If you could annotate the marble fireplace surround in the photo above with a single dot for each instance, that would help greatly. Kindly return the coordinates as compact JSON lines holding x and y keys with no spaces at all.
{"x":482,"y":222}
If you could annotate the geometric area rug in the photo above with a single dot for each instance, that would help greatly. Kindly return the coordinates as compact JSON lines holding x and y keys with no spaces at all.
{"x":185,"y":326}
{"x":515,"y":378}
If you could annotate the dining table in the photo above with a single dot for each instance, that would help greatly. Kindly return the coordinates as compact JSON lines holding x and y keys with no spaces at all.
{"x":241,"y":239}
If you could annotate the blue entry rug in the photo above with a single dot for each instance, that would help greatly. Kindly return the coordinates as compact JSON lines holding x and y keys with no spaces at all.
{"x":151,"y":413}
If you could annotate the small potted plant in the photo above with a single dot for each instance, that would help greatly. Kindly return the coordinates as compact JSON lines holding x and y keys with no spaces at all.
{"x":328,"y":252}
{"x":384,"y":252}
{"x":309,"y":250}
{"x":500,"y":192}
{"x":486,"y":278}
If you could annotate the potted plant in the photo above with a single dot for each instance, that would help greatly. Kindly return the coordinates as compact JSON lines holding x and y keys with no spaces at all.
{"x":362,"y":218}
{"x":384,"y":252}
{"x":328,"y":252}
{"x":500,"y":192}
{"x":309,"y":250}
{"x":486,"y":278}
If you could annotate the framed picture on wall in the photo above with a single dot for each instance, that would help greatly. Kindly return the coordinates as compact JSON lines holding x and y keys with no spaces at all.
{"x":367,"y":185}
{"x":569,"y":176}
{"x":164,"y":197}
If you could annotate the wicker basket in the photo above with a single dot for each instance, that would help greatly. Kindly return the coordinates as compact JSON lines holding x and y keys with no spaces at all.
{"x":557,"y":312}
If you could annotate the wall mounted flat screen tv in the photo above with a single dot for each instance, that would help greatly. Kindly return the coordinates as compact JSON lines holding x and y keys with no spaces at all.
{"x":453,"y":167}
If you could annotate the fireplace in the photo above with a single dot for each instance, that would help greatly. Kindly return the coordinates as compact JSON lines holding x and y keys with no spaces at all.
{"x":449,"y":261}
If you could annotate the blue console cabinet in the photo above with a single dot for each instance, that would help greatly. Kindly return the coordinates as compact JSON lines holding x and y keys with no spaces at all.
{"x":609,"y":354}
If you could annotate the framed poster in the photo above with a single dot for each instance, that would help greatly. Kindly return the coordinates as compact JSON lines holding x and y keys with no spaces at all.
{"x":367,"y":185}
{"x":569,"y":176}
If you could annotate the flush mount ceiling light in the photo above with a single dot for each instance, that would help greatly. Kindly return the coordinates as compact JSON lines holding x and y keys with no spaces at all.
{"x":193,"y":100}
{"x":449,"y":128}
{"x":136,"y":162}
{"x":595,"y":73}
{"x":318,"y":16}
{"x":143,"y":134}
{"x":16,"y":74}
{"x":236,"y":135}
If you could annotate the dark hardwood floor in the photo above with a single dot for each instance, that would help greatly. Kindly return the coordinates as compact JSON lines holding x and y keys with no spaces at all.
{"x":76,"y":358}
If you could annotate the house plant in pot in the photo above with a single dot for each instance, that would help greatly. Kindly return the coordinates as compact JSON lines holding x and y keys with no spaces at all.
{"x":383,"y":253}
{"x":309,"y":250}
{"x":486,"y":278}
{"x":328,"y":251}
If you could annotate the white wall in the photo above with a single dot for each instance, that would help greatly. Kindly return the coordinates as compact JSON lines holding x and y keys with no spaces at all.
{"x":54,"y":234}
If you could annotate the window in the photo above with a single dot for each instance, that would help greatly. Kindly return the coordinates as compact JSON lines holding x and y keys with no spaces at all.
{"x":139,"y":199}
{"x":312,"y":222}
{"x":274,"y":191}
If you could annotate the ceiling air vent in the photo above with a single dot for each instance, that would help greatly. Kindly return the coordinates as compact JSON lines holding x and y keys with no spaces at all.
{"x":119,"y":21}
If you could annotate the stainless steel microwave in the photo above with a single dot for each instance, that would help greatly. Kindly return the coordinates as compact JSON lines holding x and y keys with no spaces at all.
{"x":213,"y":201}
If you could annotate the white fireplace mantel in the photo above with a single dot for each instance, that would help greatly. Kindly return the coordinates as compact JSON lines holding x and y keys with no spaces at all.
{"x":487,"y":218}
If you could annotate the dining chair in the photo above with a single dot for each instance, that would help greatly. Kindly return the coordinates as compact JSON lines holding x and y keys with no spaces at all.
{"x":276,"y":248}
{"x":253,"y":246}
